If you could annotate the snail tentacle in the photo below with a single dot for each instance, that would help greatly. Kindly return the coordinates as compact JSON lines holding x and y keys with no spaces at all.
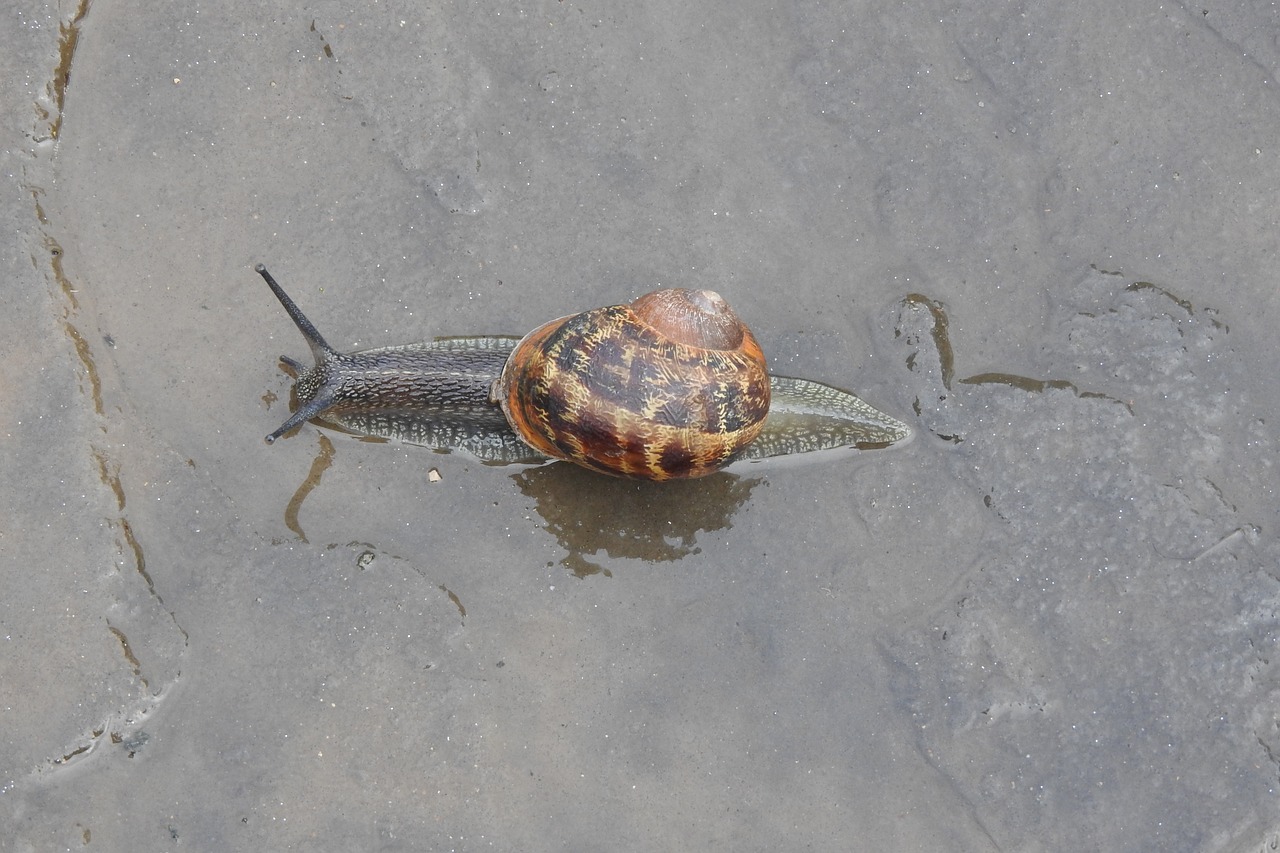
{"x":313,"y":408}
{"x":314,"y":387}
{"x":319,"y":347}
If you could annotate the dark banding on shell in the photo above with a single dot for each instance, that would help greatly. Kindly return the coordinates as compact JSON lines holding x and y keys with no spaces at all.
{"x":671,"y":386}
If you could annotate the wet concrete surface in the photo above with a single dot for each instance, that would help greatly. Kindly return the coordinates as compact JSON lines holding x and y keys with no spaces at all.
{"x":1043,"y":236}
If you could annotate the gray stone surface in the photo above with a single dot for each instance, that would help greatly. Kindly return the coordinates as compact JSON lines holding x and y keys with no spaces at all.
{"x":1042,"y":234}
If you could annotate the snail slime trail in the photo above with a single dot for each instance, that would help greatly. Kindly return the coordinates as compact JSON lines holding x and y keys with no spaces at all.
{"x":672,"y":385}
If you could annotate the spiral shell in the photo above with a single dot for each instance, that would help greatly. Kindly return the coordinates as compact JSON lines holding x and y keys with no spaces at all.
{"x":672,"y":385}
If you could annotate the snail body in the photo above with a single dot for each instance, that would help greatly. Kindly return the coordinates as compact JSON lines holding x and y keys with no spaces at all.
{"x":672,"y":385}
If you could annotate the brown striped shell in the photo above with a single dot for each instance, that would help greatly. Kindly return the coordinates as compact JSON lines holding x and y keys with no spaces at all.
{"x":672,"y":385}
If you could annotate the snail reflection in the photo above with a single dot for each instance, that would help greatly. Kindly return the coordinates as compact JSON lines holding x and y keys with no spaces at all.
{"x":670,"y":386}
{"x":601,"y":520}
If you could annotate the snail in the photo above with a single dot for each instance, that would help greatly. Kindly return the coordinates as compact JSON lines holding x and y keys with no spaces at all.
{"x":672,"y":385}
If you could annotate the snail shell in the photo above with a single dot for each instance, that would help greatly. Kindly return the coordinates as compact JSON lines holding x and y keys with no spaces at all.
{"x":671,"y":385}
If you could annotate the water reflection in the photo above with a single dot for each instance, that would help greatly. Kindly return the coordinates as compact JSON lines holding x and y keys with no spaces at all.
{"x":591,"y":515}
